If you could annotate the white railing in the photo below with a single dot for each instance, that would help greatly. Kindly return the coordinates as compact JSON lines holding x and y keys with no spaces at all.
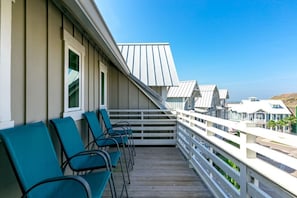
{"x":253,"y":168}
{"x":150,"y":127}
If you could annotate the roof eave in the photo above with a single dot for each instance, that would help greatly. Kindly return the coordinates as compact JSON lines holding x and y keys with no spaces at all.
{"x":88,"y":16}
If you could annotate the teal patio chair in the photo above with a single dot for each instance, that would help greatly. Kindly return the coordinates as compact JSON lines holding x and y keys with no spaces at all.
{"x":37,"y":169}
{"x":119,"y":128}
{"x":77,"y":157}
{"x":101,"y":140}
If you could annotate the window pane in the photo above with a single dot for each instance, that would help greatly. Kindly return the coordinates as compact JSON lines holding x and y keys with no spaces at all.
{"x":73,"y":80}
{"x":102,"y":88}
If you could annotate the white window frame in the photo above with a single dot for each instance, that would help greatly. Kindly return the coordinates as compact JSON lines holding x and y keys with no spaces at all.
{"x":103,"y":69}
{"x":70,"y":43}
{"x":5,"y":63}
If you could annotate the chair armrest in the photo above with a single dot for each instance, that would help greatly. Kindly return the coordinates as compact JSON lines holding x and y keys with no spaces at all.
{"x":122,"y":123}
{"x":112,"y":139}
{"x":82,"y":182}
{"x":112,"y":132}
{"x":89,"y":152}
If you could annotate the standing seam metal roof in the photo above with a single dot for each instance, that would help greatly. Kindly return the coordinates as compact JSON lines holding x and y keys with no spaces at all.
{"x":152,"y":63}
{"x":184,"y":90}
{"x":223,"y":94}
{"x":207,"y":94}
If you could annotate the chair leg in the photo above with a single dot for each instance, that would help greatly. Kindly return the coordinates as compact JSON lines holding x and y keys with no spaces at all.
{"x":131,"y":155}
{"x":112,"y":186}
{"x":126,"y":162}
{"x":133,"y":143}
{"x":124,"y":180}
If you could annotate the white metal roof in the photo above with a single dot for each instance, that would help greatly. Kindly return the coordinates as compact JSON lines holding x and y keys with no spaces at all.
{"x":152,"y":63}
{"x":268,"y":106}
{"x":224,"y":94}
{"x":207,"y":96}
{"x":185,"y":89}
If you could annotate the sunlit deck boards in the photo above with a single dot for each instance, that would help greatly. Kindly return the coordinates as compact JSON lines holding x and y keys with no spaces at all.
{"x":163,"y":172}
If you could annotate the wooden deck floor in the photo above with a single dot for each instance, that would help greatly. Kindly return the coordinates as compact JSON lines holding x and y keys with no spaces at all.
{"x":163,"y":172}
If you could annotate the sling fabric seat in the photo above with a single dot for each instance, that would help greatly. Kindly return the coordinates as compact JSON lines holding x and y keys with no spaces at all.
{"x":120,"y":128}
{"x":37,"y":169}
{"x":100,"y":138}
{"x":78,"y":158}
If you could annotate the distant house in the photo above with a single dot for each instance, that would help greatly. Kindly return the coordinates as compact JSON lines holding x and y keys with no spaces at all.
{"x":152,"y":64}
{"x":209,"y":102}
{"x":259,"y":112}
{"x":183,"y":96}
{"x":224,"y":95}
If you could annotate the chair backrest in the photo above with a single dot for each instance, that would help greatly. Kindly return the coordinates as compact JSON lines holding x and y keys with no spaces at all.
{"x":94,"y":124}
{"x":69,"y":137}
{"x":106,"y":120}
{"x":32,"y":153}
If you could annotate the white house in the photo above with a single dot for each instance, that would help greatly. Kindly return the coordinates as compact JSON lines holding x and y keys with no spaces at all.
{"x":184,"y":96}
{"x":209,"y":100}
{"x":259,"y":112}
{"x":224,"y":95}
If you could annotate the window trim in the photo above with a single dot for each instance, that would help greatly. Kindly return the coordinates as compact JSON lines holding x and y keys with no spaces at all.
{"x":5,"y":64}
{"x":103,"y":69}
{"x":70,"y":43}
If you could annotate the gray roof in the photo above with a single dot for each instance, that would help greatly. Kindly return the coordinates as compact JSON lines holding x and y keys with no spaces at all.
{"x":207,"y":94}
{"x":151,"y":63}
{"x":185,"y":89}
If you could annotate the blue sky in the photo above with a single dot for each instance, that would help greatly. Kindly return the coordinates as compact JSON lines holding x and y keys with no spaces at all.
{"x":246,"y":46}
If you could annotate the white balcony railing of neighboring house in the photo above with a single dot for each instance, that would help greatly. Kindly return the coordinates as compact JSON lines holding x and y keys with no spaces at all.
{"x":227,"y":155}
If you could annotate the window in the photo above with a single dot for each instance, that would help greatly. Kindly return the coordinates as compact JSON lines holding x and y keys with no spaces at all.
{"x":73,"y":77}
{"x":103,"y":85}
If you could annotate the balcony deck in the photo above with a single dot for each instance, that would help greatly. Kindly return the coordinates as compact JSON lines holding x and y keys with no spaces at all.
{"x":163,"y":172}
{"x":214,"y":147}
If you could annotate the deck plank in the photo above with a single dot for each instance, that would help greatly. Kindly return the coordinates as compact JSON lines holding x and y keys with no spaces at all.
{"x":163,"y":172}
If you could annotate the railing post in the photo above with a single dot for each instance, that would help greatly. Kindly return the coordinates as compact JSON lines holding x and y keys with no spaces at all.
{"x":208,"y":125}
{"x":244,"y":140}
{"x":191,"y":145}
{"x":210,"y":133}
{"x":245,"y":178}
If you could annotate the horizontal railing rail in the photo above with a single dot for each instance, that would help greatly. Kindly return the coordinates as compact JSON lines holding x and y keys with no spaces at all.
{"x":236,"y":160}
{"x":150,"y":127}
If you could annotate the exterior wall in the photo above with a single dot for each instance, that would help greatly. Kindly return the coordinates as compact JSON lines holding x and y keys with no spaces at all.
{"x":176,"y":103}
{"x":259,"y":119}
{"x":37,"y":75}
{"x":123,"y":94}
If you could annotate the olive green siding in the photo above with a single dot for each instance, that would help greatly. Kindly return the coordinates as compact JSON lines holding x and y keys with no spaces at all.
{"x":38,"y":75}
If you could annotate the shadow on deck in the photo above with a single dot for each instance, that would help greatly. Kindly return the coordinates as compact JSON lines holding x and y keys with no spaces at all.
{"x":163,"y":172}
